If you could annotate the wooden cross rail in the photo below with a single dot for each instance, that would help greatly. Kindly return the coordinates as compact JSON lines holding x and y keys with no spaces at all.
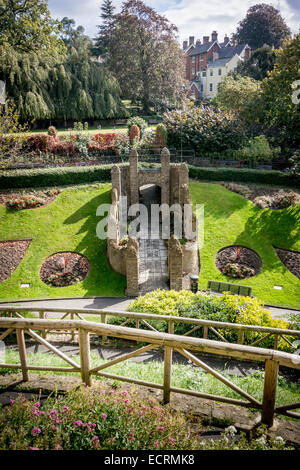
{"x":141,"y":318}
{"x":170,"y":342}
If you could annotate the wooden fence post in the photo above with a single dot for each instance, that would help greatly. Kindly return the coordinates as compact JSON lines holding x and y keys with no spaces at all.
{"x":44,"y":332}
{"x":103,"y":320}
{"x":270,"y":386}
{"x":22,"y":352}
{"x":205,"y":331}
{"x":85,"y":361}
{"x":240,"y":336}
{"x":168,"y":366}
{"x":73,"y":331}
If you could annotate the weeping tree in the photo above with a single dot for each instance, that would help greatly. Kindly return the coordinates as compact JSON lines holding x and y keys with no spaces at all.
{"x":53,"y":77}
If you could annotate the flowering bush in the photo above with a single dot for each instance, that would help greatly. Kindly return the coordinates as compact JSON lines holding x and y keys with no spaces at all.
{"x":280,"y":200}
{"x":31,"y":200}
{"x":204,"y":130}
{"x":226,"y":308}
{"x":52,"y":131}
{"x":37,"y":143}
{"x":140,"y":122}
{"x":161,"y":135}
{"x":106,"y":418}
{"x":236,"y":270}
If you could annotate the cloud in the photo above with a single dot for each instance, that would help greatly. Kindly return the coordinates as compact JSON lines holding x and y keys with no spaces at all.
{"x":192,"y":17}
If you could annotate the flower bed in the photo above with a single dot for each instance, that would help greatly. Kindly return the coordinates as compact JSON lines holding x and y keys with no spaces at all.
{"x":238,"y":262}
{"x":29,"y":200}
{"x":106,"y":418}
{"x":64,"y":269}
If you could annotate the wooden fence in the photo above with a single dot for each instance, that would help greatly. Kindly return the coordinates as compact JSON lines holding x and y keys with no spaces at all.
{"x":182,"y":344}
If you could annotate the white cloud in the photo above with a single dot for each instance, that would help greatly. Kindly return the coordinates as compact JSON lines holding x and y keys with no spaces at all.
{"x":192,"y":17}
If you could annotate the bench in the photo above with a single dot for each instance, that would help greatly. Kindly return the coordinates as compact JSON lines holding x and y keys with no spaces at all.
{"x":120,"y":122}
{"x":217,"y":286}
{"x":151,"y":122}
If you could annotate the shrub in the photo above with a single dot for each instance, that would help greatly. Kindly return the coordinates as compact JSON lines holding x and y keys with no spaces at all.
{"x":225,"y":308}
{"x":141,"y":123}
{"x":52,"y":132}
{"x":256,"y":149}
{"x":134,"y":134}
{"x":244,"y":175}
{"x":236,"y":270}
{"x":115,"y":419}
{"x":161,"y":135}
{"x":204,"y":130}
{"x":37,"y":143}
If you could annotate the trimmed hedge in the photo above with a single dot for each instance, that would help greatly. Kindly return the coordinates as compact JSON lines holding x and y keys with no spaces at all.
{"x":45,"y":177}
{"x":244,"y":175}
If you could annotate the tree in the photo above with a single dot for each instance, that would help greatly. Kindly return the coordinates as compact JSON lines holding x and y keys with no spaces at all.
{"x":145,"y":57}
{"x":27,"y":26}
{"x":280,"y":112}
{"x":241,"y":95}
{"x":262,"y":25}
{"x":73,"y":36}
{"x":259,"y":63}
{"x":102,"y":39}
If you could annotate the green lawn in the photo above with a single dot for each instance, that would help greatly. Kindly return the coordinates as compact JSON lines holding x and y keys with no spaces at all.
{"x":64,"y":133}
{"x":230,"y":219}
{"x":68,"y":224}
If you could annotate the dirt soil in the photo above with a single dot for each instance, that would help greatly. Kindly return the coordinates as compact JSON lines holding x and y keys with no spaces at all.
{"x":247,"y":258}
{"x":72,"y":267}
{"x":11,"y":254}
{"x":291,"y":260}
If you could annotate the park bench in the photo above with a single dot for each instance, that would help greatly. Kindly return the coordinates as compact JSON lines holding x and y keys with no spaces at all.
{"x":120,"y":122}
{"x":153,"y":121}
{"x":217,"y":286}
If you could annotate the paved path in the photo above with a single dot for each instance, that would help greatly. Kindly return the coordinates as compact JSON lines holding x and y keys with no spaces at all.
{"x":109,"y":303}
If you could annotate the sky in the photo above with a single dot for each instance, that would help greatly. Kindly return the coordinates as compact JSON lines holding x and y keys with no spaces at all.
{"x":196,"y":18}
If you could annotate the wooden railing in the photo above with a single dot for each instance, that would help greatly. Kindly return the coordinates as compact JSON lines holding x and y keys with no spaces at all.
{"x":144,"y":318}
{"x":170,"y":342}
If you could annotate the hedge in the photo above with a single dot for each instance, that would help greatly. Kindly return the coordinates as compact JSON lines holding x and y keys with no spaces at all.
{"x":244,"y":175}
{"x":45,"y":177}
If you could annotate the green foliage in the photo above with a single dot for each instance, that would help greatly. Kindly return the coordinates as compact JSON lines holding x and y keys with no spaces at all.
{"x":257,"y":66}
{"x":114,"y":418}
{"x":161,"y":135}
{"x":295,"y":163}
{"x":138,"y":121}
{"x":225,"y":308}
{"x":280,"y":113}
{"x":258,"y":148}
{"x":102,"y":39}
{"x":11,"y":138}
{"x":244,"y":175}
{"x":262,"y":25}
{"x":145,"y":57}
{"x":203,"y":129}
{"x":239,"y":94}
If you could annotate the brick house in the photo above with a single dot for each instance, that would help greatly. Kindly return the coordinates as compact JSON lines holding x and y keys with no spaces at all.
{"x":208,"y":62}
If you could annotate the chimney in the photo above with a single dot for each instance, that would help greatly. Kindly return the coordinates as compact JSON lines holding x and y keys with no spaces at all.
{"x":205,"y":39}
{"x":198,"y":42}
{"x":191,"y":40}
{"x":185,"y":45}
{"x":247,"y":52}
{"x":214,"y":36}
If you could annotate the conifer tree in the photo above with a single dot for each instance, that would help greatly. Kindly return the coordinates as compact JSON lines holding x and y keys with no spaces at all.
{"x":102,"y":39}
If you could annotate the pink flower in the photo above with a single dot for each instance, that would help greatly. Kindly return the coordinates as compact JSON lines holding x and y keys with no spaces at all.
{"x":33,"y":448}
{"x":36,"y":431}
{"x":95,"y":438}
{"x":111,"y":392}
{"x":124,"y":393}
{"x":53,"y":413}
{"x":156,"y":444}
{"x":37,"y":404}
{"x":11,"y":402}
{"x":54,"y":428}
{"x":172,"y":440}
{"x":160,"y":428}
{"x":65,"y":408}
{"x":78,"y":423}
{"x":42,"y":412}
{"x":104,"y":416}
{"x":58,"y":421}
{"x":126,"y":401}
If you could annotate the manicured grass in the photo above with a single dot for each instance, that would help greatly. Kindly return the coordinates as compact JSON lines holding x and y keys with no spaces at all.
{"x":183,"y":376}
{"x":64,"y":133}
{"x":67,"y":224}
{"x":230,"y":219}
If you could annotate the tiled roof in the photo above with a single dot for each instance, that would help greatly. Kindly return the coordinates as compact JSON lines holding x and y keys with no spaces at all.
{"x":230,"y":51}
{"x":218,"y":63}
{"x":200,"y":48}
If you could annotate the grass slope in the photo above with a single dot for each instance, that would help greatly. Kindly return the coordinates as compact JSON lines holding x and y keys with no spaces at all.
{"x":230,"y":219}
{"x":68,"y":224}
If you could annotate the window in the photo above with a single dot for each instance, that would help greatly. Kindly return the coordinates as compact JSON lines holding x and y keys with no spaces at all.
{"x":201,"y":57}
{"x":211,"y":73}
{"x":193,"y":59}
{"x":220,"y":71}
{"x":210,"y":87}
{"x":201,"y":87}
{"x":193,"y":70}
{"x":204,"y":74}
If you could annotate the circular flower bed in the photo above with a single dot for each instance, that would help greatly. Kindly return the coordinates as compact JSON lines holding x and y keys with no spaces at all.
{"x":238,"y":262}
{"x":64,"y":269}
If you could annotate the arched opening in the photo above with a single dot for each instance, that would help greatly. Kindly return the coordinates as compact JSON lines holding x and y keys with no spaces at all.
{"x":150,"y":194}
